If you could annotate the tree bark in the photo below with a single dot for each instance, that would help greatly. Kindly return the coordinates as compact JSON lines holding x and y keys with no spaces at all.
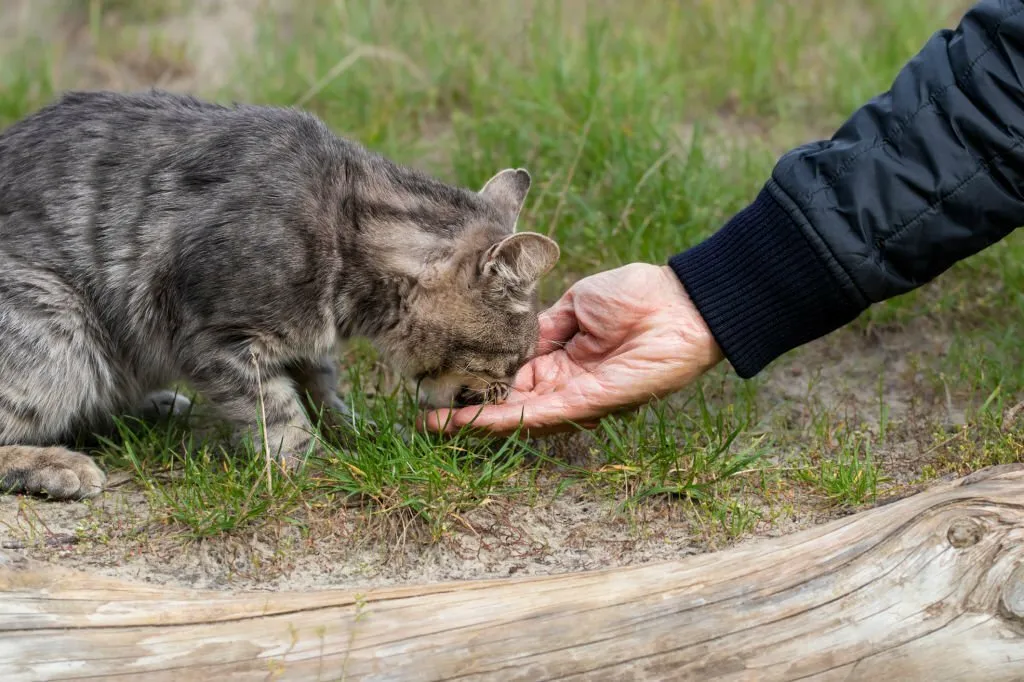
{"x":930,"y":587}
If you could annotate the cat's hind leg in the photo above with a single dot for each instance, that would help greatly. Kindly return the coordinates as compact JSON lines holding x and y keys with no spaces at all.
{"x":55,"y":472}
{"x":56,"y":378}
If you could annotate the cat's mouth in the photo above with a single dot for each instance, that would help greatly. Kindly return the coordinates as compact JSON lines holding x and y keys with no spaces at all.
{"x":465,"y":396}
{"x":492,"y":393}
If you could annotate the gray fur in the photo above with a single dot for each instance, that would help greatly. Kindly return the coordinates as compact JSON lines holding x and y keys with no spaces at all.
{"x":150,"y":238}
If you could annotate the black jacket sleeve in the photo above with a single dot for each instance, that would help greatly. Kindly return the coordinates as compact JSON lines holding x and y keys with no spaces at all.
{"x":921,"y":177}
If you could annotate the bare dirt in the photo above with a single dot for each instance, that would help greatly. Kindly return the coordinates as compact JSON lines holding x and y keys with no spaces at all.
{"x":566,"y":534}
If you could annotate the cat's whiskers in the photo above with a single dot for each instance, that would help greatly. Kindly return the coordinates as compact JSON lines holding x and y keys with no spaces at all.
{"x":468,"y":372}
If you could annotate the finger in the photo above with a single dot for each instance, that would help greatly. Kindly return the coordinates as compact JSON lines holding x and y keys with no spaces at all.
{"x":441,"y":421}
{"x":537,"y":415}
{"x":438,"y":421}
{"x":523,"y":383}
{"x":557,"y":325}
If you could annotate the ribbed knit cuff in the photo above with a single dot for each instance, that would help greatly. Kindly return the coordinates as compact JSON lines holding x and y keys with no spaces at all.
{"x":761,"y":287}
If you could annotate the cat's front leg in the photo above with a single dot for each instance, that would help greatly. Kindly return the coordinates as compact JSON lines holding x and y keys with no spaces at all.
{"x":260,"y":400}
{"x":317,"y":383}
{"x":164,"y":404}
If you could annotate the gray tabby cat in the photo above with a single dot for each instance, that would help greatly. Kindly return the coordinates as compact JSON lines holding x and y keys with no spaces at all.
{"x":149,"y":238}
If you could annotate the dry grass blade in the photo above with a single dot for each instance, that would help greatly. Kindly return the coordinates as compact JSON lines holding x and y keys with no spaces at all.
{"x":351,"y":59}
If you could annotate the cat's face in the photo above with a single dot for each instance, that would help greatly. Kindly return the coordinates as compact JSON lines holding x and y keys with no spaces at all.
{"x":471,"y":320}
{"x":472,"y":355}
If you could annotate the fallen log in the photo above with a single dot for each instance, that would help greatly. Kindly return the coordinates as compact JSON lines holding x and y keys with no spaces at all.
{"x":930,"y":587}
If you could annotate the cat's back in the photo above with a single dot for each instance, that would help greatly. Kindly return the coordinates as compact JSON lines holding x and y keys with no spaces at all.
{"x":83,"y":130}
{"x":104,"y":171}
{"x":118,"y":195}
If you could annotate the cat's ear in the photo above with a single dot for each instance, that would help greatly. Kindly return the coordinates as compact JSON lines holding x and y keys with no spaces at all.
{"x":507,"y":191}
{"x":521,"y":259}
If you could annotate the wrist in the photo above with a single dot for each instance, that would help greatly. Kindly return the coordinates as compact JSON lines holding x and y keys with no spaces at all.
{"x":762,"y":286}
{"x":697,"y":338}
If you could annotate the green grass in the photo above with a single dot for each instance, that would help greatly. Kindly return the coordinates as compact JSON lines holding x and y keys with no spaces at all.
{"x":677,"y":451}
{"x":26,"y":80}
{"x":847,"y":474}
{"x":645,"y":127}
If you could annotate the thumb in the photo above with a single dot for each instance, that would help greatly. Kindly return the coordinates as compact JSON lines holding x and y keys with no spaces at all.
{"x":557,"y":325}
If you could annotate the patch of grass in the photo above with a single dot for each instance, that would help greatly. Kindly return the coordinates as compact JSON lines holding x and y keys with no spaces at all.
{"x":199,"y":486}
{"x":208,"y":491}
{"x":732,"y":518}
{"x":26,"y":79}
{"x":848,"y":475}
{"x":400,"y":472}
{"x":667,"y":451}
{"x":992,"y":439}
{"x":987,"y":366}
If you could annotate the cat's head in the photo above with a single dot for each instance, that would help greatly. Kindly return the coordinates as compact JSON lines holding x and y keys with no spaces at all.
{"x":470,"y":317}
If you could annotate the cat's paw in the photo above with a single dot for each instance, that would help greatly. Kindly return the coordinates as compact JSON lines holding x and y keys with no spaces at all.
{"x":345,"y":423}
{"x":165,"y":404}
{"x":402,"y":432}
{"x":293,"y":461}
{"x":57,"y":473}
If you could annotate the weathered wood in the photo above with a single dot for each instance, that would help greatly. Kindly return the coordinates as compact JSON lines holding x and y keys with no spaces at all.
{"x":929,"y":587}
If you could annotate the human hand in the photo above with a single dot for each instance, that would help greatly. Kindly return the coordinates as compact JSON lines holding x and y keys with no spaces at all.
{"x":614,"y":341}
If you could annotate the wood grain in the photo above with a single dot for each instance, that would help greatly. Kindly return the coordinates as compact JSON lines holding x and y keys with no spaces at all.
{"x":928,"y":587}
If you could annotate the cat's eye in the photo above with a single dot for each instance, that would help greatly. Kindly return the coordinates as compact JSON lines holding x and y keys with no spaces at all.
{"x":483,"y":373}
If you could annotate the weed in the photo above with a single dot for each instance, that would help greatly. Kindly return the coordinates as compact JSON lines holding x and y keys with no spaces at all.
{"x":666,"y":451}
{"x":847,"y":476}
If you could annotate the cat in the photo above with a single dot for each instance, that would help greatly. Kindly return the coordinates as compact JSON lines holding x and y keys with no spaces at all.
{"x":152,"y":237}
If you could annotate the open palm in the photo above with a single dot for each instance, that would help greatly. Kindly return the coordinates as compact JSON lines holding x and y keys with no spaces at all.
{"x":614,"y":341}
